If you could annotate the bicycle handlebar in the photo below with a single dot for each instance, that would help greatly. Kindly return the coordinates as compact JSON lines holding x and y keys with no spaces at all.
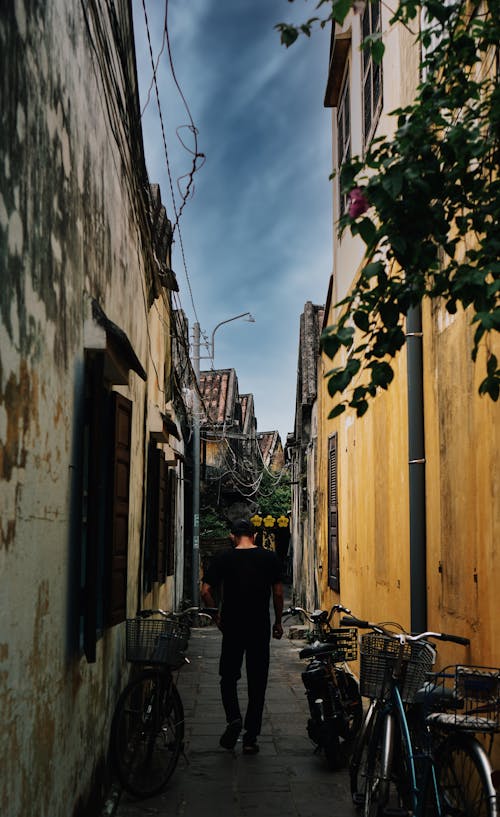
{"x":310,"y":615}
{"x":351,"y":621}
{"x":209,"y":611}
{"x":457,"y":639}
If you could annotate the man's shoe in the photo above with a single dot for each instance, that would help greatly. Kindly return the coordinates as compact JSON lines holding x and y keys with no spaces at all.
{"x":230,"y":736}
{"x":250,"y":748}
{"x":250,"y":745}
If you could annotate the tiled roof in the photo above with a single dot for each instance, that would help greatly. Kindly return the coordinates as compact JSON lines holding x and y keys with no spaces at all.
{"x":248,"y":421}
{"x":219,"y":390}
{"x":270,"y":446}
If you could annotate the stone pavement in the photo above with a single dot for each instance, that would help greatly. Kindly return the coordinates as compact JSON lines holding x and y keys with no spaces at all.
{"x":286,"y":779}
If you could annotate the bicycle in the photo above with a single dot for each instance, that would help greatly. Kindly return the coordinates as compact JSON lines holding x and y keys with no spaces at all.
{"x":462,"y":761}
{"x":332,"y":691}
{"x":406,"y":761}
{"x":147,"y":730}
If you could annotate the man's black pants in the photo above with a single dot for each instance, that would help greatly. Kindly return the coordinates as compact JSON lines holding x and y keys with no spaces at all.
{"x":253,"y":643}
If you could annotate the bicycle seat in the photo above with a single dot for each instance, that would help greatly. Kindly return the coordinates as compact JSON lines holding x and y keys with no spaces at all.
{"x":319,"y":615}
{"x":317,"y":649}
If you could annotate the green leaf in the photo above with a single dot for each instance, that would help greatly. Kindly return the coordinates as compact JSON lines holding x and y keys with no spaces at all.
{"x":361,"y":320}
{"x":382,"y":374}
{"x":345,"y":335}
{"x":340,"y":9}
{"x":490,"y":386}
{"x":288,"y":34}
{"x":339,"y":382}
{"x":389,"y":312}
{"x":361,"y":407}
{"x":377,"y":49}
{"x":367,"y":231}
{"x":372,"y":269}
{"x":330,"y":345}
{"x":338,"y":409}
{"x":492,"y":364}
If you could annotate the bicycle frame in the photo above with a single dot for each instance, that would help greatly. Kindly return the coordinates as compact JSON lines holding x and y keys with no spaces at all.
{"x":418,"y":792}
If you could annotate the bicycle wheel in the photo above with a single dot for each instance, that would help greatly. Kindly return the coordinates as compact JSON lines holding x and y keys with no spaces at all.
{"x":464,"y":776}
{"x":379,"y":766}
{"x":331,"y":745}
{"x":352,"y":705}
{"x":359,"y":758}
{"x":147,"y":733}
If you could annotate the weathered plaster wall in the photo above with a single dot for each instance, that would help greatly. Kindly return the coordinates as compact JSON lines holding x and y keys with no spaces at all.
{"x":463,"y":487}
{"x":462,"y":454}
{"x":373,"y":533}
{"x":67,"y":231}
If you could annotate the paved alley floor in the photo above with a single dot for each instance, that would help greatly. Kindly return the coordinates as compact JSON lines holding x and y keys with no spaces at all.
{"x":286,"y":779}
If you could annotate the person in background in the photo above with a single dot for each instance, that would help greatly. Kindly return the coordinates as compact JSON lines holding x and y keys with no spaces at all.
{"x":247,"y":575}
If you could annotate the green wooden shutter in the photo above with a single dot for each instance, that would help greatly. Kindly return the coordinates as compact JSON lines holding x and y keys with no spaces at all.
{"x":94,"y":477}
{"x":172,"y":486}
{"x":163,"y":512}
{"x":117,"y":608}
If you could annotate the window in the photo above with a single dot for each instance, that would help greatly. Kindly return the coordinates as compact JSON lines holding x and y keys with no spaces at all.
{"x":105,"y":476}
{"x":105,"y":504}
{"x":372,"y":72}
{"x":333,"y":542}
{"x":343,"y":136}
{"x":159,"y":551}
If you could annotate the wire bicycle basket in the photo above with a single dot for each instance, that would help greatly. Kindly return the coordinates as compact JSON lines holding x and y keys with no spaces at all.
{"x":155,"y":641}
{"x":345,"y":640}
{"x":379,"y":654}
{"x":471,"y":694}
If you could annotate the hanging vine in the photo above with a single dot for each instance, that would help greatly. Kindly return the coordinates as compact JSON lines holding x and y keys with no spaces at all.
{"x":425,"y":201}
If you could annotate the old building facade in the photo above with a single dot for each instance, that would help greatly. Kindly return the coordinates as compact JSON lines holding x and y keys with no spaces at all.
{"x":91,"y":426}
{"x":408,"y":511}
{"x":302,"y":451}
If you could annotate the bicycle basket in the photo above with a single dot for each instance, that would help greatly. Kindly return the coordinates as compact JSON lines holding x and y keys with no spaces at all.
{"x":155,"y":641}
{"x":474,"y":698}
{"x":378,"y":657}
{"x":346,"y":642}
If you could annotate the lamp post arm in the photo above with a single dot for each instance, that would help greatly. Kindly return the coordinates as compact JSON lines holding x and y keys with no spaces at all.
{"x":228,"y":320}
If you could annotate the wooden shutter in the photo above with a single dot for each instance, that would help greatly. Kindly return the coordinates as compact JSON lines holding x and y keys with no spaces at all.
{"x":163,"y":513}
{"x":93,"y":485}
{"x":333,"y":544}
{"x":122,"y":413}
{"x":172,"y":486}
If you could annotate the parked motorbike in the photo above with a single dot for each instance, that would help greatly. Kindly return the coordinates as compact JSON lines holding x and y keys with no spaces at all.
{"x":332,"y":690}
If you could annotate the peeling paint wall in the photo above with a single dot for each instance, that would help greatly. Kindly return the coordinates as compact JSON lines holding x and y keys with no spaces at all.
{"x":69,"y":231}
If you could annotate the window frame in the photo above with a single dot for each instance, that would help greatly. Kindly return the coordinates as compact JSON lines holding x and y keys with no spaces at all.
{"x":105,"y":495}
{"x":368,"y":71}
{"x":343,"y":123}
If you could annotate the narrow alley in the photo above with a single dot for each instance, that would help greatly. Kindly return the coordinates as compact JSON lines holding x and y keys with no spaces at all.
{"x":286,"y":779}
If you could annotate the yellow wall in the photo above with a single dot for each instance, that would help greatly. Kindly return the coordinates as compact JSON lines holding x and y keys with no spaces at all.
{"x":462,"y":439}
{"x":463,"y":487}
{"x":372,"y":504}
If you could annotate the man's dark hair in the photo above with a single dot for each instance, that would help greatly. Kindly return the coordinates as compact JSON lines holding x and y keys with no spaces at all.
{"x":242,"y":527}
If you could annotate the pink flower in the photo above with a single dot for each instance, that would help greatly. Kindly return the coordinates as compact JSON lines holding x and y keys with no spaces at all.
{"x":358,"y":204}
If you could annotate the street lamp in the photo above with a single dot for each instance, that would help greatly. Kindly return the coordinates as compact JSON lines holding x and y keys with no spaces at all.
{"x":196,"y":442}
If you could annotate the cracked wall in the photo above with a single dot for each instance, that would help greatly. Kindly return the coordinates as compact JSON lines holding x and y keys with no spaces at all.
{"x":68,"y":232}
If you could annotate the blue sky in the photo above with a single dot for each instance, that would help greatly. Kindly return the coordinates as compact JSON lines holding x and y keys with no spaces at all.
{"x":257,"y":233}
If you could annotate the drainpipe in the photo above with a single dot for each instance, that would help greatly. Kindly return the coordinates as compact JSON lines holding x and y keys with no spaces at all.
{"x":416,"y":456}
{"x":196,"y":468}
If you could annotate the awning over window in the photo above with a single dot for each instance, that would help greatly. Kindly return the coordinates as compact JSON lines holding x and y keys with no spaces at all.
{"x":339,"y":50}
{"x":102,"y":334}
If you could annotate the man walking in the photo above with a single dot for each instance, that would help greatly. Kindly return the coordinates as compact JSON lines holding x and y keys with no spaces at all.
{"x":247,"y":575}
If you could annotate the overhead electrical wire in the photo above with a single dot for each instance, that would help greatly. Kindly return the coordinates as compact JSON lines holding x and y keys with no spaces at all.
{"x":177,"y":212}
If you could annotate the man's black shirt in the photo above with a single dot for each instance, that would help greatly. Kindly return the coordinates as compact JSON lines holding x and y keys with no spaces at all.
{"x":246,"y":576}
